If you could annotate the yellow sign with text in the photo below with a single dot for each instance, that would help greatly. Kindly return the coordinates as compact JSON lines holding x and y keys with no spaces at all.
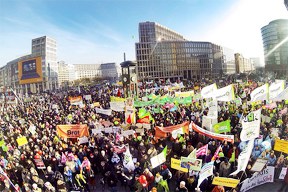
{"x":30,"y":71}
{"x":226,"y":182}
{"x":22,"y":141}
{"x":281,"y":145}
{"x":176,"y":164}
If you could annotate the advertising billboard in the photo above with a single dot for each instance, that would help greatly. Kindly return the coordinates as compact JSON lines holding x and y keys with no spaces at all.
{"x":30,"y":71}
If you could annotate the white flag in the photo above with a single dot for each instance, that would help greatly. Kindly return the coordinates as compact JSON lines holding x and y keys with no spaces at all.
{"x":275,"y":89}
{"x":244,"y":157}
{"x":206,"y":171}
{"x":260,"y":93}
{"x":224,"y":94}
{"x":128,"y":160}
{"x":207,"y":92}
{"x":159,"y":159}
{"x":251,"y":126}
{"x":282,"y":96}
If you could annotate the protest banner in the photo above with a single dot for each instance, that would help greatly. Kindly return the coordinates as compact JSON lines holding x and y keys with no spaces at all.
{"x":228,"y":138}
{"x":108,"y":130}
{"x":72,"y":131}
{"x":206,"y":171}
{"x":282,"y":96}
{"x":191,"y":163}
{"x":208,"y":122}
{"x":281,"y":146}
{"x":224,"y":94}
{"x":276,"y":88}
{"x":184,"y":94}
{"x":259,"y":178}
{"x":75,"y":100}
{"x":259,"y":165}
{"x":260,"y":93}
{"x":140,"y":131}
{"x":96,"y":104}
{"x":32,"y":129}
{"x":207,"y":92}
{"x":222,"y":127}
{"x":22,"y":141}
{"x":128,"y":160}
{"x":87,"y":97}
{"x":119,"y":149}
{"x":176,"y":164}
{"x":104,"y":111}
{"x":161,"y":132}
{"x":112,"y":98}
{"x":213,"y":109}
{"x":226,"y":182}
{"x":283,"y":173}
{"x":251,"y":126}
{"x":244,"y":157}
{"x":118,"y":106}
{"x":159,"y":159}
{"x":82,"y":140}
{"x":127,"y":133}
{"x":96,"y":131}
{"x":146,"y":126}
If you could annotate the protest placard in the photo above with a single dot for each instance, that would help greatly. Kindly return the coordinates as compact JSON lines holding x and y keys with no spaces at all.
{"x":226,"y":182}
{"x":281,"y":145}
{"x":176,"y":164}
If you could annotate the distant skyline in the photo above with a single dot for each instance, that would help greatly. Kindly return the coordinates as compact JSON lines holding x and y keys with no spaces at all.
{"x":100,"y":31}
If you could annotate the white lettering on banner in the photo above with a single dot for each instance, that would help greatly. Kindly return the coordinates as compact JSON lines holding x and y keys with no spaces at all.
{"x":224,"y":94}
{"x":259,"y":178}
{"x":104,"y":111}
{"x":207,"y":91}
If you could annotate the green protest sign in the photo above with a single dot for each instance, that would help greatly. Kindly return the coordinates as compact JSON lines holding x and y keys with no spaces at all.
{"x":222,"y":127}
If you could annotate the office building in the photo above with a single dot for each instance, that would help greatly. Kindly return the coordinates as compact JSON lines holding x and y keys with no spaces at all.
{"x":229,"y":66}
{"x":110,"y":71}
{"x":256,"y":62}
{"x":243,"y":65}
{"x":275,"y":44}
{"x":35,"y":72}
{"x":164,"y":54}
{"x":87,"y":71}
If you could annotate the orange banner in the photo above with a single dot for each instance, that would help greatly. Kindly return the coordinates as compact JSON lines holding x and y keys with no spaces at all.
{"x":72,"y":131}
{"x":162,"y":131}
{"x":75,"y":99}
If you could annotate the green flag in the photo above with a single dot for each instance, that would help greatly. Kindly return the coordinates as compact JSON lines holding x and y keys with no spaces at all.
{"x":2,"y":143}
{"x":222,"y":127}
{"x":192,"y":155}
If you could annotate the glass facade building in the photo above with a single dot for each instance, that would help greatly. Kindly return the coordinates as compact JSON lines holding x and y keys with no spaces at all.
{"x":164,"y":54}
{"x":275,"y":44}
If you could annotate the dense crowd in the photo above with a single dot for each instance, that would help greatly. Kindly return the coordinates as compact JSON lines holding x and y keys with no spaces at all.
{"x":98,"y":164}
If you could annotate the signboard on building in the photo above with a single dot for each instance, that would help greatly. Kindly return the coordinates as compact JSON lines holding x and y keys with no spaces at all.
{"x":30,"y":71}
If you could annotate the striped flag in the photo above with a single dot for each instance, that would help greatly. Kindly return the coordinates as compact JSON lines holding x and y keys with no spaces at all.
{"x":202,"y":151}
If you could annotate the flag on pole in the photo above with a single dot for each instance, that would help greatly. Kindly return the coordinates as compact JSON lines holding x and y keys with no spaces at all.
{"x":128,"y":161}
{"x":206,"y":171}
{"x":159,"y":159}
{"x":216,"y":154}
{"x":202,"y":150}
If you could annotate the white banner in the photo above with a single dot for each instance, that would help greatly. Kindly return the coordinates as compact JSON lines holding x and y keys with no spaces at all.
{"x":213,"y":109}
{"x":260,"y":93}
{"x":283,"y":173}
{"x":282,"y":96}
{"x":127,"y":133}
{"x":251,"y":126}
{"x":244,"y":157}
{"x":259,"y":178}
{"x":87,"y":97}
{"x":96,"y":131}
{"x":117,"y":105}
{"x":224,"y":94}
{"x":82,"y":140}
{"x":184,"y":94}
{"x":207,"y":91}
{"x":275,"y":89}
{"x":104,"y":111}
{"x":128,"y":160}
{"x":159,"y":159}
{"x":206,"y":171}
{"x":208,"y":122}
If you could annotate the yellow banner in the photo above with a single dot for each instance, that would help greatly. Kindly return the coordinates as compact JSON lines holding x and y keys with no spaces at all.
{"x":117,"y":99}
{"x":226,"y":182}
{"x":175,"y":164}
{"x":184,"y":94}
{"x":281,"y":145}
{"x":22,"y":141}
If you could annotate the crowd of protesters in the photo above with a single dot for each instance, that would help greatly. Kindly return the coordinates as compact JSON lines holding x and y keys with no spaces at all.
{"x":95,"y":166}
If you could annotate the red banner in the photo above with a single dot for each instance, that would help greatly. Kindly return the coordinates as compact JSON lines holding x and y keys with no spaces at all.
{"x":162,"y":131}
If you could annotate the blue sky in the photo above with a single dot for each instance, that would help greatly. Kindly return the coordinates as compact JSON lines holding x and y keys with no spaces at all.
{"x":100,"y":31}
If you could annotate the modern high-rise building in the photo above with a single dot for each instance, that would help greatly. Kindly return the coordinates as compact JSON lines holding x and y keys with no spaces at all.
{"x":256,"y":62}
{"x":110,"y":70}
{"x":163,"y":53}
{"x":243,"y":65}
{"x":275,"y":44}
{"x":229,"y":66}
{"x":35,"y":72}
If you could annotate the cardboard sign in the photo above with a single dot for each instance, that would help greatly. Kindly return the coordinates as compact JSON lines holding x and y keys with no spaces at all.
{"x":281,"y":145}
{"x":259,"y":165}
{"x":176,"y":164}
{"x":226,"y":182}
{"x":22,"y":141}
